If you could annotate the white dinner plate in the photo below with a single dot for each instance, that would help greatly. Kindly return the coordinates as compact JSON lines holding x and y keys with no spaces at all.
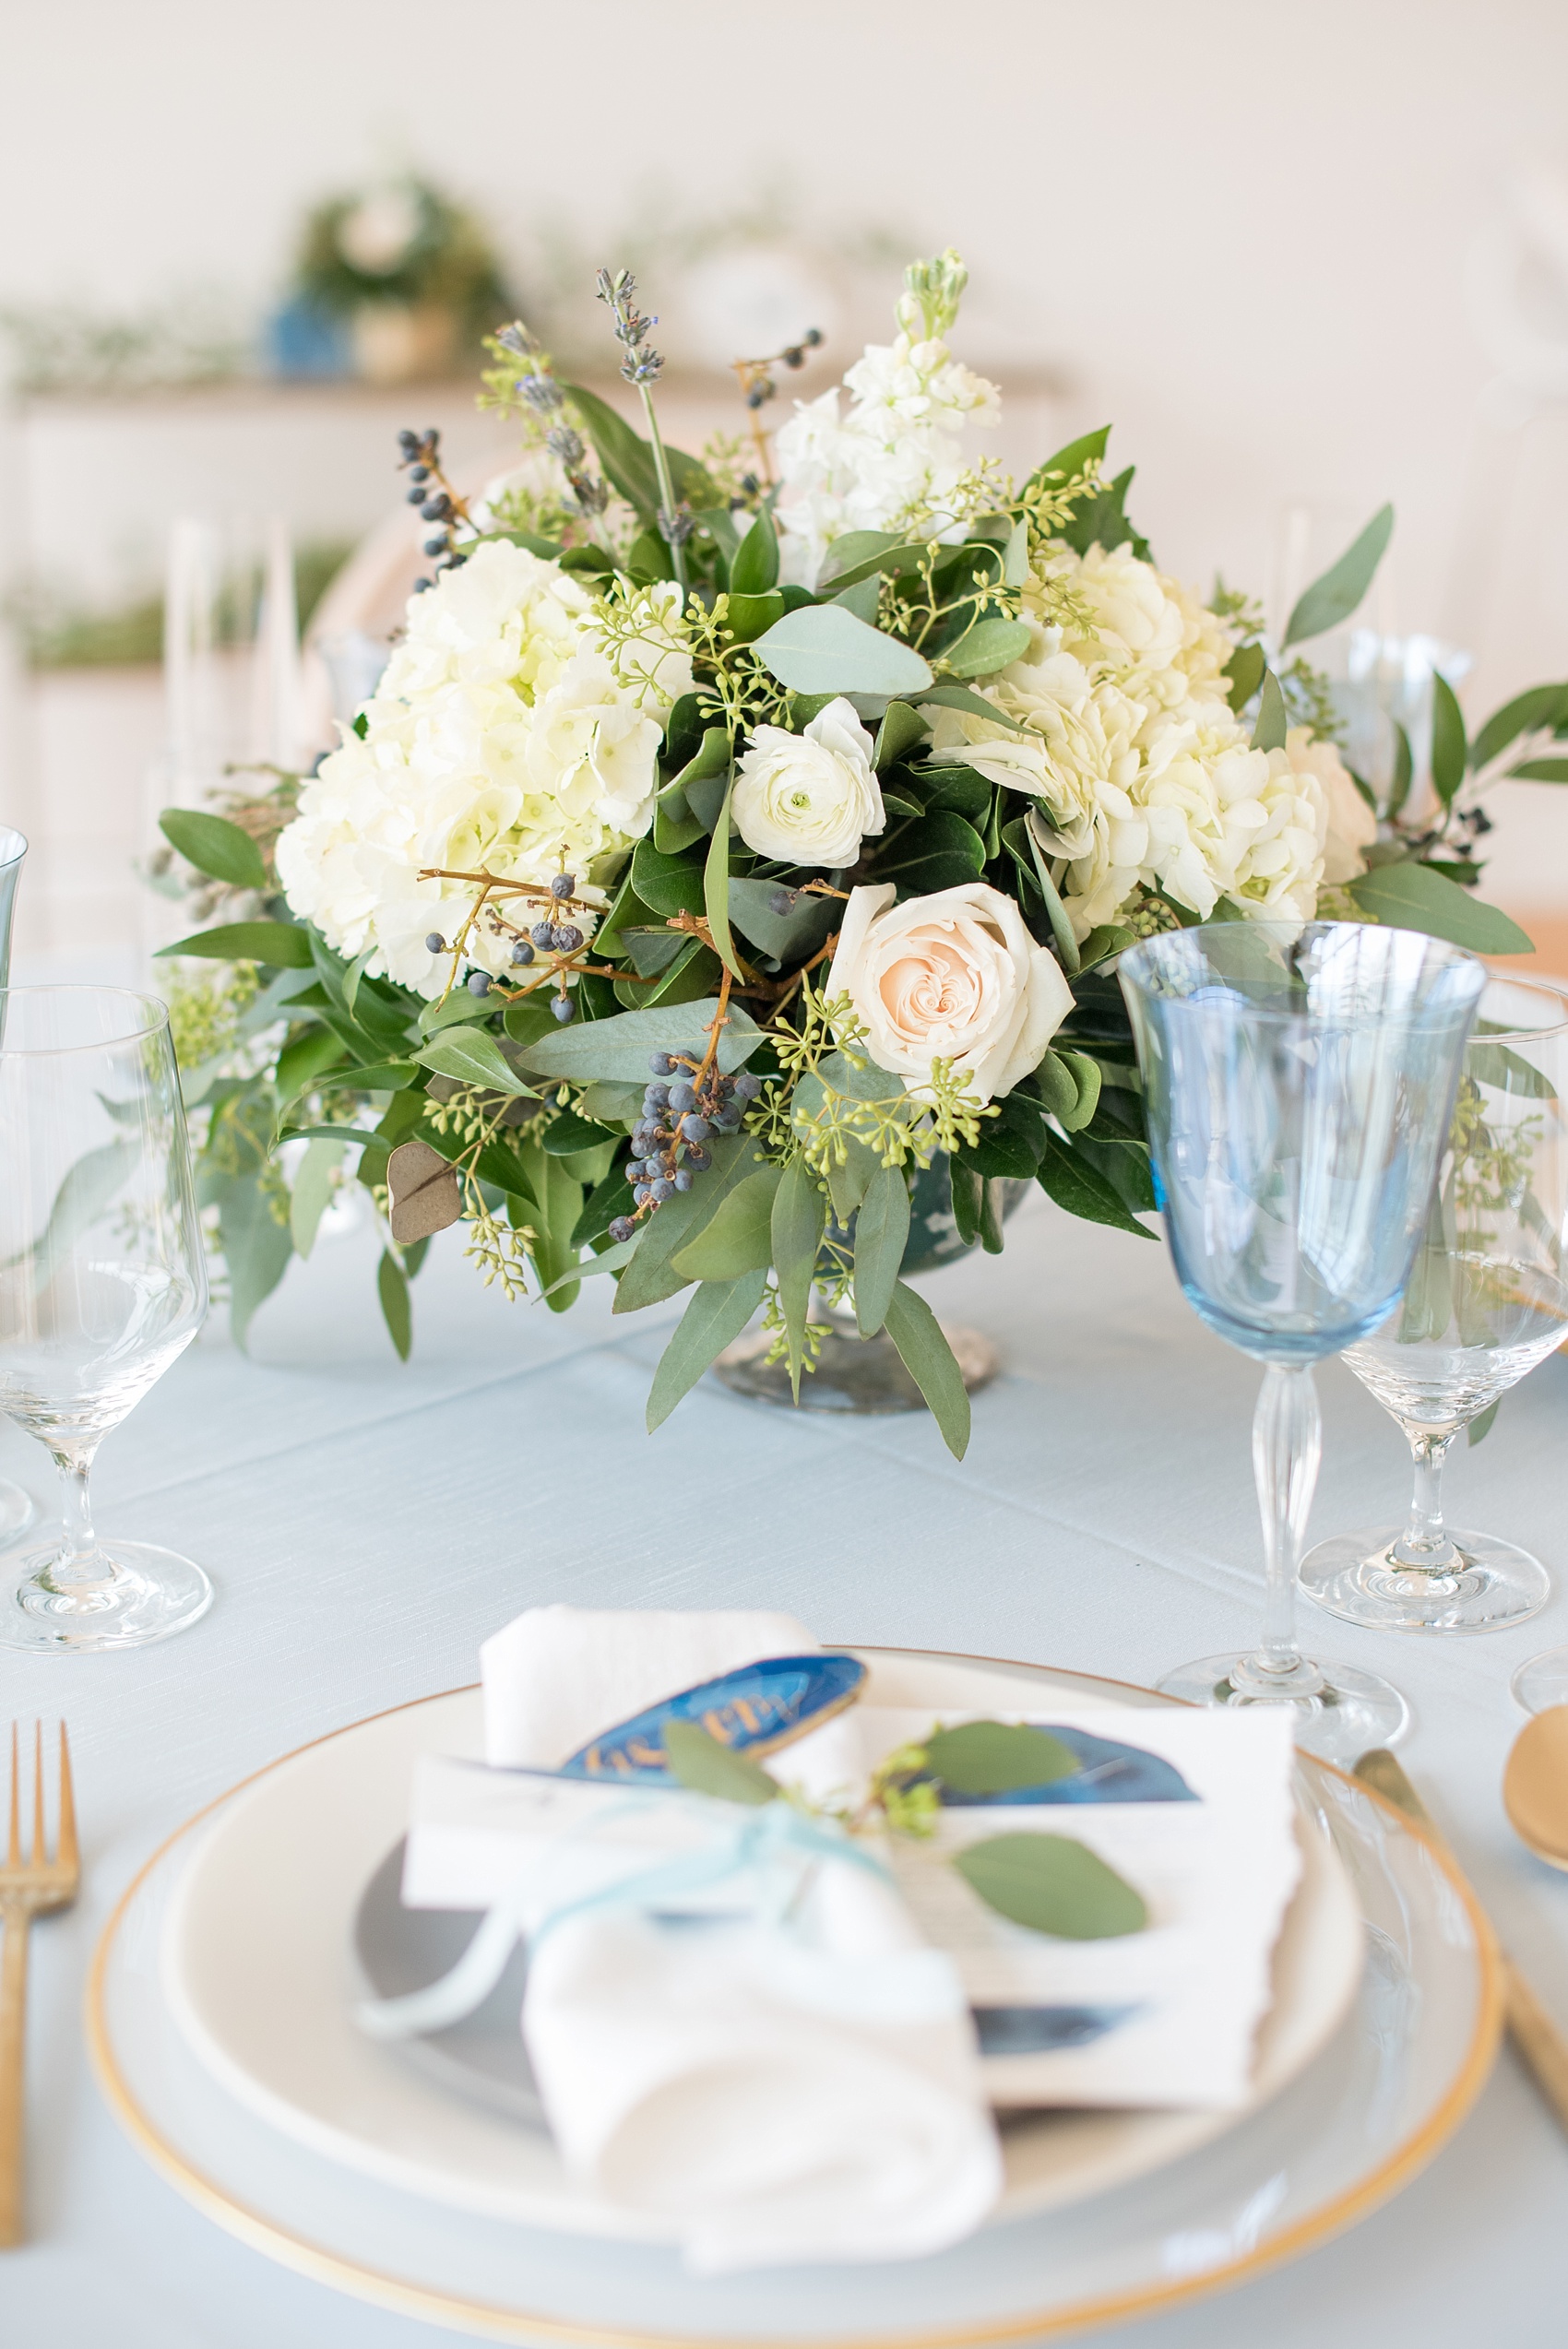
{"x":387,"y":2198}
{"x":256,"y":1972}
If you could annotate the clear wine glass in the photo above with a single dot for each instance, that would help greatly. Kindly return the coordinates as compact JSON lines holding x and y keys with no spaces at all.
{"x":1486,"y":1301}
{"x":103,"y":1283}
{"x":1298,"y":1085}
{"x":17,"y":1507}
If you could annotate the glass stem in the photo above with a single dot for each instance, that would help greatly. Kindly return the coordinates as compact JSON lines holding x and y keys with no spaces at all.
{"x":1286,"y":1447}
{"x":1424,"y":1544}
{"x":80,"y":1560}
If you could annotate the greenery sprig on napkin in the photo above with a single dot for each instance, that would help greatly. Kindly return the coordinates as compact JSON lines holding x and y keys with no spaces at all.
{"x":1050,"y":1883}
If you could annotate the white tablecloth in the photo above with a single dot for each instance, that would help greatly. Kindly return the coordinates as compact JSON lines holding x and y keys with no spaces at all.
{"x":368,"y":1524}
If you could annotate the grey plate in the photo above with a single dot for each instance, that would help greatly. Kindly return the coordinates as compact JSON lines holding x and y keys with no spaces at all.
{"x":402,"y":1949}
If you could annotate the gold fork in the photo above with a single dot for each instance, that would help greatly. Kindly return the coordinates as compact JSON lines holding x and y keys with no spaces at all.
{"x":28,"y":1887}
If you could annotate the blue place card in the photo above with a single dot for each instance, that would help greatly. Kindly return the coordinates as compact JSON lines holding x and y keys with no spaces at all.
{"x":754,"y":1711}
{"x":1107,"y":1772}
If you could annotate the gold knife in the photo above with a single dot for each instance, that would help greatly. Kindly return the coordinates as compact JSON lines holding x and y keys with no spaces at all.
{"x":1541,"y":2045}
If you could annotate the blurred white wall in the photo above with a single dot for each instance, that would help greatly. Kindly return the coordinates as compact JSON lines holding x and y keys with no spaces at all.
{"x":1241,"y":229}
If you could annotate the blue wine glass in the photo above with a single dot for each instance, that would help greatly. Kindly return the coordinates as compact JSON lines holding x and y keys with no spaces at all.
{"x":1298,"y":1085}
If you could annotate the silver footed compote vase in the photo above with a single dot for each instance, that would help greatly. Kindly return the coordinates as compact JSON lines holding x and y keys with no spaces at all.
{"x":102,"y":1284}
{"x":1485,"y":1303}
{"x":1299,"y":1084}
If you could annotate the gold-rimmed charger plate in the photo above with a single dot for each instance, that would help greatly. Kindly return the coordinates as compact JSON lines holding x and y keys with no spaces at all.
{"x":1391,"y":2087}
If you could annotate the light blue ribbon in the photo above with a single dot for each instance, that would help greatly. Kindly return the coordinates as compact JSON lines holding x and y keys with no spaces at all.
{"x":766,"y":1838}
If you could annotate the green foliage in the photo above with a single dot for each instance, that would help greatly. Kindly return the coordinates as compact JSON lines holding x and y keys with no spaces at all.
{"x":706,"y":1767}
{"x":1052,"y":1884}
{"x":824,"y":650}
{"x":282,"y":944}
{"x":716,"y":1314}
{"x":881,"y":1231}
{"x":928,"y":1359}
{"x":215,"y":847}
{"x":1269,"y":731}
{"x":392,"y":1288}
{"x":998,"y":1757}
{"x":1409,"y":896}
{"x":1334,"y":597}
{"x":1450,"y":751}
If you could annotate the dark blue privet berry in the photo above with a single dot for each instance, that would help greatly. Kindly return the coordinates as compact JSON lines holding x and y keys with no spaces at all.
{"x":643,"y":1194}
{"x":682,"y":1177}
{"x":479,"y":982}
{"x":661,"y":1063}
{"x":657,"y":1098}
{"x":622,"y":1227}
{"x":563,"y":885}
{"x":435,"y":546}
{"x":662,"y":1189}
{"x":682,"y":1097}
{"x":416,"y":497}
{"x":568,"y":938}
{"x":698,"y":1160}
{"x":421,"y":585}
{"x":522,"y":953}
{"x":563,"y":1008}
{"x":695,"y":1129}
{"x":435,"y":943}
{"x":418,"y":472}
{"x":747,"y":1087}
{"x":726,"y":1120}
{"x":543,"y":934}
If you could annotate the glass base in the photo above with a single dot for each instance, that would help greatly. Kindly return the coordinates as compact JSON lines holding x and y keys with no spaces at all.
{"x":144,"y":1595}
{"x":18,"y":1510}
{"x":1543,"y":1681}
{"x":1489,"y":1583}
{"x":1340,"y":1712}
{"x":852,"y":1373}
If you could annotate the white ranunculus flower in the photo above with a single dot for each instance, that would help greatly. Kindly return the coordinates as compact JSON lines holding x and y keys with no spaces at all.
{"x":811,"y":797}
{"x":499,"y":738}
{"x":1352,"y":825}
{"x":952,"y":976}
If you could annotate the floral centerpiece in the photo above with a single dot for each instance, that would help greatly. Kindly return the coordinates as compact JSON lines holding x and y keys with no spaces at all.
{"x":718,"y":851}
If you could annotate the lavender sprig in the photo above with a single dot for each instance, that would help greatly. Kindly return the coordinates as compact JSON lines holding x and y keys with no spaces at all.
{"x":642,"y":367}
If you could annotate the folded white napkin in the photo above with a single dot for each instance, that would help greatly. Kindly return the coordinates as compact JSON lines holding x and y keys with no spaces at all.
{"x":782,"y":2092}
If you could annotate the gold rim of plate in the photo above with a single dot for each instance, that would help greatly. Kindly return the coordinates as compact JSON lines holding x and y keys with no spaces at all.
{"x":487,"y":2321}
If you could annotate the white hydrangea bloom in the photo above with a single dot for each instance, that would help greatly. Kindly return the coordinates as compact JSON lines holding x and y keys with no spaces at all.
{"x":500,"y":736}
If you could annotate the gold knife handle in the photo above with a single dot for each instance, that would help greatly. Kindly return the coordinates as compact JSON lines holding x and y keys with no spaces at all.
{"x":1541,"y":2045}
{"x":14,"y":1921}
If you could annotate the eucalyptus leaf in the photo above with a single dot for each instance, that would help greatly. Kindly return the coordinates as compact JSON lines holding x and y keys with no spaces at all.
{"x":715,"y":889}
{"x":1052,"y":1884}
{"x":256,"y":1249}
{"x":800,"y":1214}
{"x":1411,"y":896}
{"x":280,"y":945}
{"x":1404,"y":772}
{"x":927,"y":1358}
{"x":1541,"y":770}
{"x":472,"y":1056}
{"x":1450,"y":751}
{"x":396,"y":1308}
{"x":649,"y":1278}
{"x":1479,"y":1428}
{"x":861,"y":596}
{"x":716,"y":1314}
{"x":989,"y":645}
{"x":313,"y":1188}
{"x":737,"y":1238}
{"x":1245,"y":669}
{"x":620,"y":1049}
{"x":1273,"y":721}
{"x":998,"y":1757}
{"x":821,"y":648}
{"x":706,"y":1767}
{"x":1527,"y":713}
{"x":1334,"y":597}
{"x":947,"y":695}
{"x":215,"y":846}
{"x":941,"y":850}
{"x":792,"y":934}
{"x":881,"y":1231}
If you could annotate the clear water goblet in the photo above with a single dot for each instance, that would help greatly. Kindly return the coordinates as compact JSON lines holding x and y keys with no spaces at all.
{"x":1486,"y":1302}
{"x":17,"y":1507}
{"x":1298,"y":1085}
{"x":102,"y":1284}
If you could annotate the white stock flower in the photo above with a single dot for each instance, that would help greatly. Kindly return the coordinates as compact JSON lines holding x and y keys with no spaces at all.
{"x":500,"y":737}
{"x":810,"y":798}
{"x":895,"y":456}
{"x":952,"y":976}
